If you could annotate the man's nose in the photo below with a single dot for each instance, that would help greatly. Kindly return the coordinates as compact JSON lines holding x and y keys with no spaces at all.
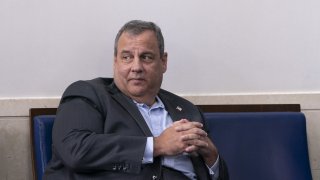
{"x":136,"y":65}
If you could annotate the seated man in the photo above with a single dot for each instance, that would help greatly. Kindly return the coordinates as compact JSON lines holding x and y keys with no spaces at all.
{"x":129,"y":128}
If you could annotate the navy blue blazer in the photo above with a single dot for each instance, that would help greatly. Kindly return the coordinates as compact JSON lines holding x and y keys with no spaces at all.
{"x":100,"y":134}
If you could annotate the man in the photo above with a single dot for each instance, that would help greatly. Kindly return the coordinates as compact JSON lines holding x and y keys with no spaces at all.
{"x":129,"y":128}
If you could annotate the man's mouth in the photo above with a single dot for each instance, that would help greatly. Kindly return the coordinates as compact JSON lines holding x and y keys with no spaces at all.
{"x":137,"y":80}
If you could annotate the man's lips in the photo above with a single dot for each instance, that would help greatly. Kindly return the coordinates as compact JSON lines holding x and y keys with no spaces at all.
{"x":136,"y":79}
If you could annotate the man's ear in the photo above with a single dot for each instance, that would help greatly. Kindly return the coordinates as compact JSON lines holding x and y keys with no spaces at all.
{"x":164,"y":60}
{"x":114,"y":61}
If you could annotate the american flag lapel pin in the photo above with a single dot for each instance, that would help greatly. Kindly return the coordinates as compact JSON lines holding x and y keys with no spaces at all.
{"x":179,"y":108}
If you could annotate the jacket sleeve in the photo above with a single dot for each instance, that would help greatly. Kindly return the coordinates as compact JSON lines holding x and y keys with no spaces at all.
{"x":223,"y":170}
{"x":79,"y":139}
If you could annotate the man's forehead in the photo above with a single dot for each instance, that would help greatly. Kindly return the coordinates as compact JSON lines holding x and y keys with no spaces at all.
{"x":137,"y":33}
{"x":145,"y":39}
{"x":147,"y":35}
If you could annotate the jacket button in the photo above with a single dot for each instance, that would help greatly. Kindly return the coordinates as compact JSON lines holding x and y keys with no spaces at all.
{"x":125,"y":168}
{"x":154,"y":177}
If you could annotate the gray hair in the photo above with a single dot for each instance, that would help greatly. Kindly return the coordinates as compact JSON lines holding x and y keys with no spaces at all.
{"x":136,"y":27}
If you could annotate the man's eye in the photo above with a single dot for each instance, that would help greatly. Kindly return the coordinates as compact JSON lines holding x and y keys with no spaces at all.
{"x":126,"y":57}
{"x":147,"y":57}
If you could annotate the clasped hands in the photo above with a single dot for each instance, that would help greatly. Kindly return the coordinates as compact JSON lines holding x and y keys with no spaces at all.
{"x":184,"y":136}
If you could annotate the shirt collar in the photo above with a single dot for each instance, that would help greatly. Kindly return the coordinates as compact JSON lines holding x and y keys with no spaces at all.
{"x":158,"y":104}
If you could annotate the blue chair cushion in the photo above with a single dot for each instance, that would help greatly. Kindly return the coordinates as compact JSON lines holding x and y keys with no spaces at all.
{"x":42,"y":133}
{"x":255,"y":146}
{"x":262,"y":145}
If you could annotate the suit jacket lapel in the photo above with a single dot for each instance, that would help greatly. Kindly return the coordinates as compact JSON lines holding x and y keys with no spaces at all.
{"x":200,"y":168}
{"x":130,"y":107}
{"x":176,"y":111}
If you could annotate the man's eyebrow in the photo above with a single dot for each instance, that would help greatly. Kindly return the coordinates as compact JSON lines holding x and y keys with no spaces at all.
{"x":148,"y":52}
{"x":125,"y":51}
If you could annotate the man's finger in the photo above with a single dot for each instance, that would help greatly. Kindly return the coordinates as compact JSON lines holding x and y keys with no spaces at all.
{"x":188,"y":125}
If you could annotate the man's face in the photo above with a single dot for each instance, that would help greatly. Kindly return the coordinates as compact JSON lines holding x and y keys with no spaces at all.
{"x":138,"y":68}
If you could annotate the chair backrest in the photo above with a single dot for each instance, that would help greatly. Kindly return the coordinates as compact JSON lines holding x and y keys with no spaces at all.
{"x":262,"y":145}
{"x":255,"y":146}
{"x":42,"y":142}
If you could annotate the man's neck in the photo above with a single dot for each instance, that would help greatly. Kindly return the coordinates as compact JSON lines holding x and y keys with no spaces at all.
{"x":147,"y":101}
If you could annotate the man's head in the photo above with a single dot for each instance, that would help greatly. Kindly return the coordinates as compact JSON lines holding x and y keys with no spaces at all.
{"x":139,"y":60}
{"x":136,"y":27}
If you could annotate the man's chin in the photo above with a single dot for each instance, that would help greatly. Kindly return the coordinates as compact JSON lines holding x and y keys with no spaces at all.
{"x":137,"y":92}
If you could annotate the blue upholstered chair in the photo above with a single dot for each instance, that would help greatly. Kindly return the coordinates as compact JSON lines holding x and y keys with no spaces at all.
{"x":255,"y":146}
{"x":41,"y":134}
{"x":262,"y":145}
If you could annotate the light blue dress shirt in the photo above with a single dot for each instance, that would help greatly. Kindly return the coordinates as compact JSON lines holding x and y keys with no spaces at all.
{"x":158,"y":120}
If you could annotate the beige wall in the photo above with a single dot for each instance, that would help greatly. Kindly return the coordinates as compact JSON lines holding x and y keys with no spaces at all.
{"x":220,"y":46}
{"x":15,"y":158}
